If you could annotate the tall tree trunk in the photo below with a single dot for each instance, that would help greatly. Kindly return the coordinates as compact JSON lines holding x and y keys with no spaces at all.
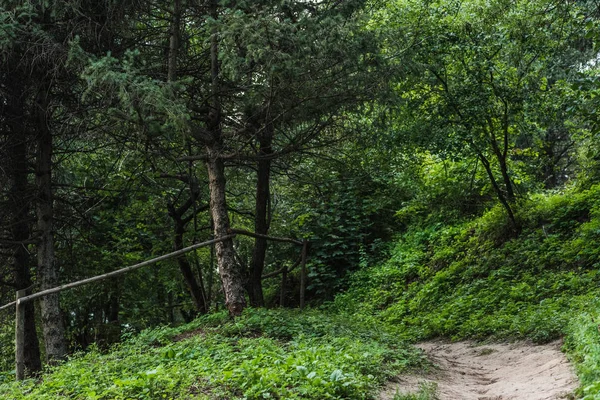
{"x":506,"y":197}
{"x":231,"y":276}
{"x":510,"y":193}
{"x":32,"y":360}
{"x":505,"y":203}
{"x":196,"y":290}
{"x":19,"y":200}
{"x":52,"y":322}
{"x":261,"y":220}
{"x":174,"y":41}
{"x":502,"y":154}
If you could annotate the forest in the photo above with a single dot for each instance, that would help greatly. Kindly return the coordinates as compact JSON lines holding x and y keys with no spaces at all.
{"x":362,"y":176}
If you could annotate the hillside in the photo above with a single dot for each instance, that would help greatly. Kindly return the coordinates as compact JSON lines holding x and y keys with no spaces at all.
{"x":261,"y":355}
{"x":480,"y":280}
{"x":475,"y":280}
{"x":179,"y":178}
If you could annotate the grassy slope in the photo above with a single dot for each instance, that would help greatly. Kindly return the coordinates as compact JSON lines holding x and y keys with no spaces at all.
{"x":264,"y":354}
{"x":470,"y":280}
{"x":476,"y":280}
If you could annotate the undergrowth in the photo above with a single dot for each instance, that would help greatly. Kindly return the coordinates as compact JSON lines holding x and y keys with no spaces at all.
{"x":263,"y":354}
{"x":474,"y":279}
{"x":583,"y":344}
{"x":479,"y":280}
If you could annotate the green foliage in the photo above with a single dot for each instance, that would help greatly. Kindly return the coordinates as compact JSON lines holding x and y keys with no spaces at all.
{"x":347,"y":225}
{"x":444,"y":190}
{"x":263,"y":354}
{"x":468,"y":81}
{"x":427,"y":391}
{"x":475,"y":280}
{"x":583,"y":343}
{"x":7,"y":353}
{"x":489,"y":80}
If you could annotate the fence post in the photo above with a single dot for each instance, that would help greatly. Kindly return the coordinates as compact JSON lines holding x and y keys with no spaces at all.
{"x":283,"y":283}
{"x":303,"y":273}
{"x":20,"y":337}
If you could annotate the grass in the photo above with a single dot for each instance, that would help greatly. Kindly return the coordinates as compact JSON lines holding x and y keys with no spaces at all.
{"x":262,"y":355}
{"x":478,"y":280}
{"x":583,"y":345}
{"x":427,"y":391}
{"x":473,"y":279}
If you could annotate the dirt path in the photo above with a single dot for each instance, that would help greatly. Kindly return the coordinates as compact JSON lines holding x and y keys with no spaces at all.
{"x":517,"y":371}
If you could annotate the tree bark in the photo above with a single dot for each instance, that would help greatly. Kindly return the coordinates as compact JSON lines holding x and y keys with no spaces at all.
{"x":502,"y":154}
{"x":501,"y":157}
{"x":505,"y":203}
{"x":231,"y":276}
{"x":52,"y":321}
{"x":22,"y":275}
{"x":20,"y":204}
{"x":196,"y":290}
{"x":174,"y":41}
{"x":261,"y":220}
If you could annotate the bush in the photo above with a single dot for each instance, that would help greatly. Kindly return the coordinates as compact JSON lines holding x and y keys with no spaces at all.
{"x":263,"y":354}
{"x":475,"y":280}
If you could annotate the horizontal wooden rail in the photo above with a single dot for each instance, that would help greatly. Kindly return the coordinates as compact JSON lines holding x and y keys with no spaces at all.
{"x":21,"y":298}
{"x":115,"y":273}
{"x":261,"y":236}
{"x":282,"y":269}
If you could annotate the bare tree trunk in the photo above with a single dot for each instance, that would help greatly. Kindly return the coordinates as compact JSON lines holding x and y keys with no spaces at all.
{"x":261,"y":221}
{"x":505,"y":203}
{"x":231,"y":276}
{"x":502,"y":154}
{"x":174,"y":41}
{"x":52,"y":322}
{"x":196,"y":290}
{"x":283,"y":285}
{"x":32,"y":360}
{"x":228,"y":270}
{"x":19,"y":200}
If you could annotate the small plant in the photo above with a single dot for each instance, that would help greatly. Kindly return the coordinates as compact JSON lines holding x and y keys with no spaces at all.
{"x":427,"y":391}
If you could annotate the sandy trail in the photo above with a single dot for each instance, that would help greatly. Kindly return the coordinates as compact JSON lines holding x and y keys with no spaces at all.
{"x":515,"y":371}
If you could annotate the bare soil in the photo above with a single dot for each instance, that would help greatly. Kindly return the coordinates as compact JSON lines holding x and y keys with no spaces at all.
{"x":508,"y":371}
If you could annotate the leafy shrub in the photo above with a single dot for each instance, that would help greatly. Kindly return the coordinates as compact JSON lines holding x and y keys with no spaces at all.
{"x":583,"y":344}
{"x":475,"y":280}
{"x":263,"y":354}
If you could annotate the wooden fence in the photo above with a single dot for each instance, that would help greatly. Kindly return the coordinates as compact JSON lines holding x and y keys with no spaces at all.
{"x":22,"y":298}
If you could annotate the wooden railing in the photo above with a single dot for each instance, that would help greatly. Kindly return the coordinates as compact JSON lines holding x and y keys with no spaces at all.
{"x":22,"y":298}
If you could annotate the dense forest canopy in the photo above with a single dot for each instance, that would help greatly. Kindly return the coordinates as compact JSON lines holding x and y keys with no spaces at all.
{"x":130,"y":129}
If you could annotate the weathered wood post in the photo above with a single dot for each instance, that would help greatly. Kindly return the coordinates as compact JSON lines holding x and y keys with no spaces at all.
{"x":284,"y":272}
{"x":20,"y":336}
{"x":303,"y":273}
